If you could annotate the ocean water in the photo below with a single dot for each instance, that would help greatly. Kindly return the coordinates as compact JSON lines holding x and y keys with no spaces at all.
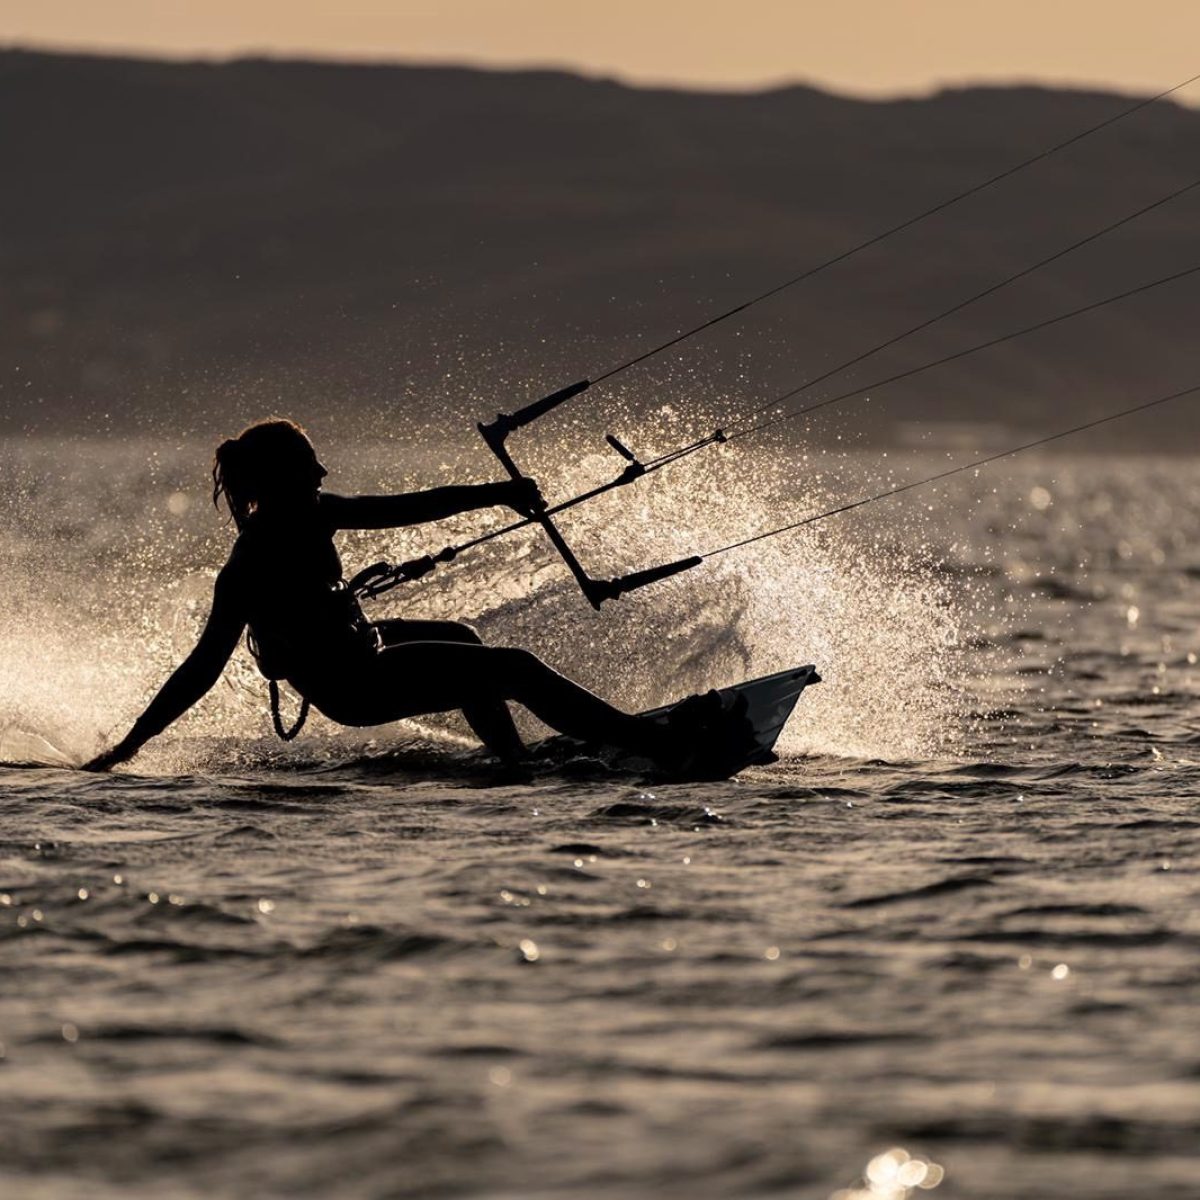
{"x":948,"y":945}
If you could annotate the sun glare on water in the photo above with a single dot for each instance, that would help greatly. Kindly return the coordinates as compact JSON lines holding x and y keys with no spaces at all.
{"x":894,"y":1175}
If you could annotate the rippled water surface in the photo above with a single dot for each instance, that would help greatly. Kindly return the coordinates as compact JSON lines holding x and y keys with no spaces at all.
{"x":959,"y":917}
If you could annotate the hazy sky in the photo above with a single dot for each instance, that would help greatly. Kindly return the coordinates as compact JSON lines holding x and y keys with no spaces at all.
{"x":854,"y":45}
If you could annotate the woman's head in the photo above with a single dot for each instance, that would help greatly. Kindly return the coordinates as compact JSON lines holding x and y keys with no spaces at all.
{"x":270,"y":462}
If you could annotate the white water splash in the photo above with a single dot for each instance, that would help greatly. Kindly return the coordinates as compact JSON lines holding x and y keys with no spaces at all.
{"x":111,"y":549}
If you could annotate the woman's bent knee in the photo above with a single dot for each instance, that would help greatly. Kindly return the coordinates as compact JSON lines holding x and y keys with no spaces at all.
{"x":401,"y":632}
{"x":516,"y":659}
{"x":452,"y":631}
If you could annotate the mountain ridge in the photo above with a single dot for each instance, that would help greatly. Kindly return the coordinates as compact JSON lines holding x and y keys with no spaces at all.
{"x":189,"y":244}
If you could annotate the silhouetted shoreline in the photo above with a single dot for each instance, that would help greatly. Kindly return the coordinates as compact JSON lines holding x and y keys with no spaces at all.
{"x":200,"y":241}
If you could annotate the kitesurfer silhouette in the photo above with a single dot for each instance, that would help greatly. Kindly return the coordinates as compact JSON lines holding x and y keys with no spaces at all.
{"x":284,"y":581}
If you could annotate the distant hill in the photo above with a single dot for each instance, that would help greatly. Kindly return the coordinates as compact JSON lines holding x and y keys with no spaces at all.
{"x":188,"y":244}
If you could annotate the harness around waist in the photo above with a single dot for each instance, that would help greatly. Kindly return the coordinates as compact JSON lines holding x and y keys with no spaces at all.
{"x":332,"y":631}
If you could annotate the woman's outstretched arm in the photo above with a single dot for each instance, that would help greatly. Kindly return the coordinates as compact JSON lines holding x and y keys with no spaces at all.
{"x":415,"y":508}
{"x":191,"y":679}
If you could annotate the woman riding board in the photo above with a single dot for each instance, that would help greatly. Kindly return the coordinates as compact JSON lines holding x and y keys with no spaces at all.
{"x":284,"y":580}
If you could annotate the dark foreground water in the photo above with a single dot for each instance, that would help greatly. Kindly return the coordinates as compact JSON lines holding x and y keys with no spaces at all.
{"x":957,"y":925}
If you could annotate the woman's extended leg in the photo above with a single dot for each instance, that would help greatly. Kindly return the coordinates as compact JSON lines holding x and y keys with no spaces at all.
{"x":415,"y":678}
{"x":490,"y":720}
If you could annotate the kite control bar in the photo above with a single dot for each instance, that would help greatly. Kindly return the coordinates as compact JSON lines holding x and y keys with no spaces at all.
{"x":381,"y":577}
{"x":597,"y":591}
{"x":496,"y":434}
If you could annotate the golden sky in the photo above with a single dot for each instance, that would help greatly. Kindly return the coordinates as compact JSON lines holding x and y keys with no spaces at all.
{"x":865,"y":46}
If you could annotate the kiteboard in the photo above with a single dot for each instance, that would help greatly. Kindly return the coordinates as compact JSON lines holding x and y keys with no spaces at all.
{"x":738,"y":728}
{"x":741,"y":733}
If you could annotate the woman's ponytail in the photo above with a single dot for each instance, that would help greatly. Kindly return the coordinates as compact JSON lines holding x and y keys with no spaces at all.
{"x":229,"y":480}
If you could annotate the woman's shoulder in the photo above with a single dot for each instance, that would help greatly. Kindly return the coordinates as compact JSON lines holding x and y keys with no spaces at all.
{"x":266,"y":543}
